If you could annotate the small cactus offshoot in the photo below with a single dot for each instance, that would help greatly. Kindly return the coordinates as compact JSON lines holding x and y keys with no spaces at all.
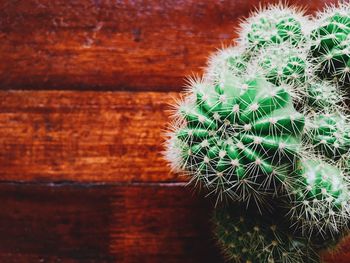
{"x":320,"y":196}
{"x":330,"y":42}
{"x":275,"y":24}
{"x":266,"y":127}
{"x":282,"y":65}
{"x":323,"y":95}
{"x":251,"y":237}
{"x":330,"y":134}
{"x":227,"y":61}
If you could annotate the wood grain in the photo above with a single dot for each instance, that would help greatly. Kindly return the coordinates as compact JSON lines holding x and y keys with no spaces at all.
{"x":83,"y":136}
{"x":108,"y":223}
{"x":339,"y":254}
{"x":114,"y":45}
{"x":99,"y":223}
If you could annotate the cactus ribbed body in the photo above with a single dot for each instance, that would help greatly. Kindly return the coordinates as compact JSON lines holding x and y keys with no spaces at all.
{"x":240,"y":137}
{"x":283,"y":66}
{"x":321,"y":198}
{"x":331,"y":44}
{"x":273,"y":25}
{"x":275,"y":30}
{"x":330,"y":135}
{"x":256,"y":238}
{"x":232,"y":60}
{"x":323,"y":95}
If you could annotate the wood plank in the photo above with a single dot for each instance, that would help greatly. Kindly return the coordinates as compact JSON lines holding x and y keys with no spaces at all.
{"x":108,"y":223}
{"x":341,"y":253}
{"x":83,"y":136}
{"x":104,"y":223}
{"x":130,"y":45}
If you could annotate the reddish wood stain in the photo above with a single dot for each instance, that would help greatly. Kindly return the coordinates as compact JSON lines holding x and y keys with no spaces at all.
{"x":130,"y":45}
{"x":83,"y":136}
{"x":92,"y":223}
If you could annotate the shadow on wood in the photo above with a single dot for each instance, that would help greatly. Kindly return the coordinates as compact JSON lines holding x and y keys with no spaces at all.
{"x":100,"y":223}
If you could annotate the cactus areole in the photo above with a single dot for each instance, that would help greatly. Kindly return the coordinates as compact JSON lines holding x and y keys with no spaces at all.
{"x":266,"y":133}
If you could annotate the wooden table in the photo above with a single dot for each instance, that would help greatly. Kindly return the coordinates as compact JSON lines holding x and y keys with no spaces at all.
{"x":85,"y":88}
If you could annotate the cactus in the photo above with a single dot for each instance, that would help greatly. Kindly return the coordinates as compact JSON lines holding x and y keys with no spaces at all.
{"x":252,"y":237}
{"x":329,"y":134}
{"x":285,"y":66}
{"x":331,"y":43}
{"x":239,"y":138}
{"x":239,"y":131}
{"x":274,"y":24}
{"x":227,"y":61}
{"x":323,"y":95}
{"x":320,"y":203}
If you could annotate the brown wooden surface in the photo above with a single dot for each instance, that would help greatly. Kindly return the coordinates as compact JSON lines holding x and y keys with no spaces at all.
{"x":81,"y":174}
{"x":106,"y":223}
{"x":100,"y":44}
{"x":341,"y":253}
{"x":83,"y":136}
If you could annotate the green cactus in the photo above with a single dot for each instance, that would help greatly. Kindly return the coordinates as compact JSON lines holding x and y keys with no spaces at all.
{"x":274,"y":24}
{"x":320,"y":202}
{"x":246,"y":236}
{"x":285,"y":66}
{"x":238,"y":139}
{"x":231,"y":60}
{"x":331,"y":43}
{"x":239,"y":131}
{"x":329,"y":134}
{"x":323,"y":95}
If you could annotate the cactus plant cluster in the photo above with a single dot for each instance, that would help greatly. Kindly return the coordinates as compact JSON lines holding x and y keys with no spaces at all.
{"x":330,"y":41}
{"x":267,"y":133}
